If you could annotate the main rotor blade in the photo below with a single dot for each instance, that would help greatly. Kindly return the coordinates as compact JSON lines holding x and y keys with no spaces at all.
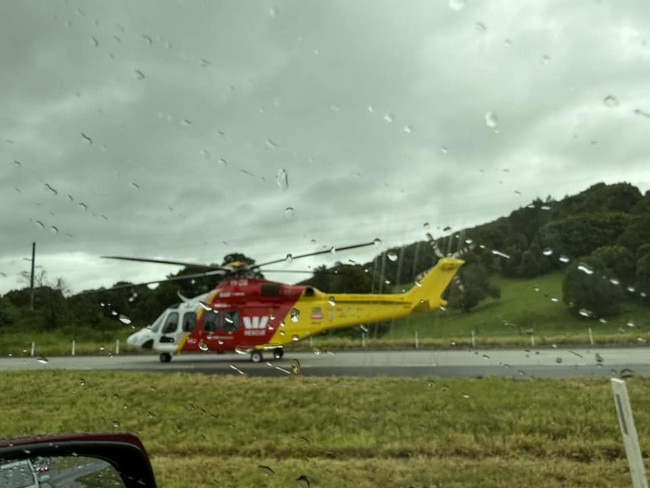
{"x":174,"y":278}
{"x":162,"y":261}
{"x":326,"y":251}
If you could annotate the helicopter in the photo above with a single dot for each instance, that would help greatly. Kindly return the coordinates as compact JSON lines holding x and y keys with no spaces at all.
{"x":253,"y":316}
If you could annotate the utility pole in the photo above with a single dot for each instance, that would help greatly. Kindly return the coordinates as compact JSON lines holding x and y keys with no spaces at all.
{"x":31,"y":280}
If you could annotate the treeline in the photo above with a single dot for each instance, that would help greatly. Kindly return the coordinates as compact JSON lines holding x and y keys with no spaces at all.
{"x":600,"y":238}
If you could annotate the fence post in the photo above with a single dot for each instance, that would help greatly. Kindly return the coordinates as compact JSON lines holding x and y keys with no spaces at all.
{"x":74,"y":347}
{"x":117,"y":347}
{"x":33,"y":348}
{"x":417,"y":340}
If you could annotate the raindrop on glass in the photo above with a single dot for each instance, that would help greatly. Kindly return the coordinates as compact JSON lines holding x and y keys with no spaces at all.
{"x":444,"y":151}
{"x":82,"y":382}
{"x":392,"y":256}
{"x":481,"y":27}
{"x":388,"y":117}
{"x":205,"y":306}
{"x":408,"y":129}
{"x":124,"y":319}
{"x":116,"y":424}
{"x":491,"y":120}
{"x":564,"y":259}
{"x":139,"y":74}
{"x":585,"y":269}
{"x":547,"y":252}
{"x":282,"y":179}
{"x":295,"y":314}
{"x":288,"y":212}
{"x":610,"y":101}
{"x":558,"y":360}
{"x":377,"y":242}
{"x":43,"y":360}
{"x":332,"y":302}
{"x":86,"y":138}
{"x":599,"y":358}
{"x":203,"y":346}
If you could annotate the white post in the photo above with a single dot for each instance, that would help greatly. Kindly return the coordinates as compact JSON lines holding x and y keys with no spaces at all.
{"x":33,"y":348}
{"x":74,"y":347}
{"x":473,"y":339}
{"x":628,"y":430}
{"x":117,"y":347}
{"x":363,"y":340}
{"x":591,"y":337}
{"x":417,"y":340}
{"x":532,"y":340}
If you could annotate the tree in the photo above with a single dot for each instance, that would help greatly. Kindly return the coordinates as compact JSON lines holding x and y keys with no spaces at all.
{"x":587,"y":292}
{"x":475,"y":286}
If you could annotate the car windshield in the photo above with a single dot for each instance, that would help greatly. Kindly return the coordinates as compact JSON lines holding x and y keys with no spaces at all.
{"x":335,"y":226}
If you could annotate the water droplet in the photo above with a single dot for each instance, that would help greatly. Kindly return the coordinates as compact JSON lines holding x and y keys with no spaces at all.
{"x":139,"y":74}
{"x":152,"y":415}
{"x":43,"y":360}
{"x":388,"y":117}
{"x":203,"y":346}
{"x":457,"y":4}
{"x":273,"y":11}
{"x":564,"y":259}
{"x":295,"y":338}
{"x":295,"y":314}
{"x":585,"y":269}
{"x":585,"y":313}
{"x":153,"y":286}
{"x":499,"y":253}
{"x":288,"y":212}
{"x":288,"y":258}
{"x":555,"y":300}
{"x":558,"y":360}
{"x":186,"y":123}
{"x":135,"y":185}
{"x":205,"y":306}
{"x":124,"y":319}
{"x":481,"y":27}
{"x":547,"y":252}
{"x":529,"y":331}
{"x":332,"y":301}
{"x":377,"y":242}
{"x":546,"y":59}
{"x":88,"y":140}
{"x":40,"y":225}
{"x":599,"y":358}
{"x":631,"y":324}
{"x":491,"y":120}
{"x":626,"y":373}
{"x":82,"y":382}
{"x":444,"y":150}
{"x":610,"y":101}
{"x":232,"y":366}
{"x":115,"y":397}
{"x":392,"y":256}
{"x":602,"y":320}
{"x":116,"y":424}
{"x":614,"y":281}
{"x":485,"y":356}
{"x":282,"y":179}
{"x":408,"y":129}
{"x":271,"y":144}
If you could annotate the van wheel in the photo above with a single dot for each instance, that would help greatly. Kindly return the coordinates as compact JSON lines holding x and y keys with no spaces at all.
{"x":165,"y":357}
{"x":256,"y":356}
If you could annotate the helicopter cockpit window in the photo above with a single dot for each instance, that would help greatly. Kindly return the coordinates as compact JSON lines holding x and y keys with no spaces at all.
{"x":189,"y":321}
{"x":156,"y":323}
{"x":231,"y":321}
{"x":210,"y":320}
{"x":171,"y":324}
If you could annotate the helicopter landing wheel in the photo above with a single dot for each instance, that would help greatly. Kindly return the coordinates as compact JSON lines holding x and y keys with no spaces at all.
{"x":278,"y":353}
{"x":165,"y":357}
{"x":256,"y":356}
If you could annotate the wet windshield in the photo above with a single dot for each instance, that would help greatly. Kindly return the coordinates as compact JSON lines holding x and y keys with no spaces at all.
{"x":370,"y":211}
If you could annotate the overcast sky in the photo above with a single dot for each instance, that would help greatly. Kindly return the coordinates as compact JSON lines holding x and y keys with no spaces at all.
{"x":188,"y":130}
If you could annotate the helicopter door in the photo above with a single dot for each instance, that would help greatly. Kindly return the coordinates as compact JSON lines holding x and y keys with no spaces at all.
{"x":169,"y":333}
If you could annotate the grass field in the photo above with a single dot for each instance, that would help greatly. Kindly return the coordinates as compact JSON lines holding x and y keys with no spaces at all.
{"x":240,"y":431}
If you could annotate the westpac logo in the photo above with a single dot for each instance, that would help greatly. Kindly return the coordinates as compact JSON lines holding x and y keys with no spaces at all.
{"x":255,"y":323}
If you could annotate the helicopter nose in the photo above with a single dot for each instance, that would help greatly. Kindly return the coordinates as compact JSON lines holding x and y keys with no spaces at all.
{"x":134,"y":339}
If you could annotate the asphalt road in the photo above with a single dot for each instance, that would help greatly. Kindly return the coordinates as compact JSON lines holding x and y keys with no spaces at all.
{"x":512,"y":363}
